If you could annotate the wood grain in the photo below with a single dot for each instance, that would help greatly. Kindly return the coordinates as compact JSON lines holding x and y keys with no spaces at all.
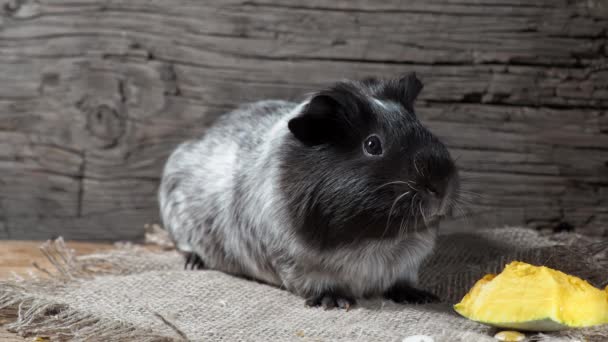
{"x":95,"y":94}
{"x":18,"y":257}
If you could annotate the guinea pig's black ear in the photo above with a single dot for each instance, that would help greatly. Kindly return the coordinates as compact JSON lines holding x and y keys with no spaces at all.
{"x":318,"y":123}
{"x":410,"y":86}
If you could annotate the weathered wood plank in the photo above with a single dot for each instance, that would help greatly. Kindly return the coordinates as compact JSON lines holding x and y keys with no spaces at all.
{"x":95,"y":94}
{"x":109,"y":226}
{"x":430,"y":32}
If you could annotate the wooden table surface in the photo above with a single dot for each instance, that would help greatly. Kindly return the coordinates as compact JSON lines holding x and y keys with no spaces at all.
{"x":16,"y":257}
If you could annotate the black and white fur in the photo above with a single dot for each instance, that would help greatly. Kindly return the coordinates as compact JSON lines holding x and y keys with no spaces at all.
{"x":284,"y":193}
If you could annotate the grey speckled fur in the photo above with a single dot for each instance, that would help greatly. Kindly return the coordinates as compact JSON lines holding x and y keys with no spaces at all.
{"x":220,"y":198}
{"x":198,"y":189}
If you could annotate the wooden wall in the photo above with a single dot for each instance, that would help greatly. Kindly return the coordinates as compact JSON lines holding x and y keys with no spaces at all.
{"x":94,"y":94}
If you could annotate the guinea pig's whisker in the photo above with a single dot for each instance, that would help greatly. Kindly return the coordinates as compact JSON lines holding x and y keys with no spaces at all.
{"x":391,"y":211}
{"x":459,"y":205}
{"x":411,"y":213}
{"x":394,"y":203}
{"x":463,"y":214}
{"x":457,"y":201}
{"x":422,"y":212}
{"x":464,"y":202}
{"x":470,"y":193}
{"x":415,"y":223}
{"x":401,"y":226}
{"x":411,"y":187}
{"x":404,"y":228}
{"x":389,"y":183}
{"x":417,"y":170}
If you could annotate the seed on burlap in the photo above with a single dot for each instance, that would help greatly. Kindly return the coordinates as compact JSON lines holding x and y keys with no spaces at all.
{"x":510,"y":336}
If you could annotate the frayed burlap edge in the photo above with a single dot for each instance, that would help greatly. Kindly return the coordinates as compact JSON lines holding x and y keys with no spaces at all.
{"x":58,"y":322}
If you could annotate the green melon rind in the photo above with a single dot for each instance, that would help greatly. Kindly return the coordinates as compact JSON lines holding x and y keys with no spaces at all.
{"x":544,"y":324}
{"x":537,"y":325}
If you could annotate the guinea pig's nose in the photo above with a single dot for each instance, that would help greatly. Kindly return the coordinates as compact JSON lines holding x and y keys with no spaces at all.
{"x":430,"y":189}
{"x":436,"y":188}
{"x":435,"y":171}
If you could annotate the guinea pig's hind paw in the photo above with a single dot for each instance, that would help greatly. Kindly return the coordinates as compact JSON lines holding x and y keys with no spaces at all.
{"x":193,"y":261}
{"x":402,"y":293}
{"x":330,"y":300}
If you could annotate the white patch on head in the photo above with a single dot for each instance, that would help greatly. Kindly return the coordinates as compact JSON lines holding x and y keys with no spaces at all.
{"x":387,"y":105}
{"x":380,"y":103}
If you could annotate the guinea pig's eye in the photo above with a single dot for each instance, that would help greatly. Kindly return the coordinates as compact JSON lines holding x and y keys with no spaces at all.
{"x":372,"y":145}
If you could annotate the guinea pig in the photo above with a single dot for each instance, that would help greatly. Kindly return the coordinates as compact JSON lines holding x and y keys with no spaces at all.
{"x":335,"y":198}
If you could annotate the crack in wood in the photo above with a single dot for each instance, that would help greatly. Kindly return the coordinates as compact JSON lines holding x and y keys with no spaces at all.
{"x":519,"y":105}
{"x":169,"y":77}
{"x":110,"y":179}
{"x":122,"y":92}
{"x":80,"y":178}
{"x":343,"y":9}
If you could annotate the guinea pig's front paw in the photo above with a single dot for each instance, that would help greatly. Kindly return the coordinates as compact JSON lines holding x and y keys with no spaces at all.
{"x":330,"y":300}
{"x":404,"y":293}
{"x":193,"y":261}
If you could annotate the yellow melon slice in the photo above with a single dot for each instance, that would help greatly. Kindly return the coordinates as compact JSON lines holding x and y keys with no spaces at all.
{"x":534,"y":298}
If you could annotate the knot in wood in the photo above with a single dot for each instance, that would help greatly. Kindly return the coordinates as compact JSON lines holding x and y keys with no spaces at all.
{"x":20,"y":9}
{"x":106,"y":125}
{"x":11,"y":6}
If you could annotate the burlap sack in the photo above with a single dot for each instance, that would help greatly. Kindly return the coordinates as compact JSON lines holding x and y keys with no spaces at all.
{"x":131,"y":294}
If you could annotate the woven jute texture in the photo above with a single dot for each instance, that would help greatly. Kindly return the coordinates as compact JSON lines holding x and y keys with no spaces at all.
{"x":132,"y":294}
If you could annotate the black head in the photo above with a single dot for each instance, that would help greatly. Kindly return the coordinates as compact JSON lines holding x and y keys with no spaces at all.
{"x":359,"y":165}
